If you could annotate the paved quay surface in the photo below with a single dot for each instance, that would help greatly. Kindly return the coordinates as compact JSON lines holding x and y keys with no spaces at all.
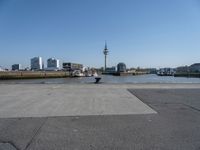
{"x":100,"y":117}
{"x":72,"y":100}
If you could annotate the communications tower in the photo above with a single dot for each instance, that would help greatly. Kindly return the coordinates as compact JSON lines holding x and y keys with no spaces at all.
{"x":105,"y":52}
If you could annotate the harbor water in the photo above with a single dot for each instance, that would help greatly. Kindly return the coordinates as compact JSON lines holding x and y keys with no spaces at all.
{"x":107,"y":79}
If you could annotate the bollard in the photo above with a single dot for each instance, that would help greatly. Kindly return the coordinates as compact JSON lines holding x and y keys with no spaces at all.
{"x":97,"y":80}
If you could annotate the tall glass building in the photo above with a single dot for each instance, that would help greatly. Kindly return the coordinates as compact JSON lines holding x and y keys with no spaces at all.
{"x":16,"y":67}
{"x":37,"y":63}
{"x":53,"y":63}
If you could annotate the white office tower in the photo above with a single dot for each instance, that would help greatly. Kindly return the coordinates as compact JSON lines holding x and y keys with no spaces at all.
{"x":36,"y":63}
{"x":53,"y":63}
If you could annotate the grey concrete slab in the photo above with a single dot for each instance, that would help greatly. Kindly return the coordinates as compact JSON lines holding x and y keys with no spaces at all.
{"x":19,"y":131}
{"x":67,"y":100}
{"x":175,"y":127}
{"x":189,"y":97}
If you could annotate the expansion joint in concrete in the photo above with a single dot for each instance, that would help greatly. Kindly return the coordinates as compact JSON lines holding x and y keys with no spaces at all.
{"x":196,"y":109}
{"x":36,"y":133}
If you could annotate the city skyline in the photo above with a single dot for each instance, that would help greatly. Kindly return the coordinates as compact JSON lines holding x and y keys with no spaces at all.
{"x":57,"y":64}
{"x":138,"y":33}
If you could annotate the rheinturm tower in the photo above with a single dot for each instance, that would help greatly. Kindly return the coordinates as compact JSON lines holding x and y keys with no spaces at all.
{"x":105,"y":52}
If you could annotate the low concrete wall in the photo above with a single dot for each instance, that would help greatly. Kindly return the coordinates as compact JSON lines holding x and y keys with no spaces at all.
{"x":196,"y":75}
{"x":33,"y":74}
{"x":129,"y":73}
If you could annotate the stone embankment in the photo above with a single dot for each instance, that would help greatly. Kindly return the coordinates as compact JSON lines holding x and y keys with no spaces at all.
{"x":185,"y":74}
{"x":33,"y":74}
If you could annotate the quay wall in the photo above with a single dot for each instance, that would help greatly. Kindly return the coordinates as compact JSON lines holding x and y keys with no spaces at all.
{"x":33,"y":74}
{"x":185,"y":74}
{"x":129,"y":73}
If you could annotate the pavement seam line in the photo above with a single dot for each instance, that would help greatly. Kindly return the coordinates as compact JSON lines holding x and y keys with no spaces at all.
{"x":36,"y":133}
{"x":148,"y":104}
{"x":192,"y":107}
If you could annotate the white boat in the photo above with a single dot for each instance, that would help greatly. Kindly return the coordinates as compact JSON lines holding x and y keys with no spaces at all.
{"x":77,"y":73}
{"x":95,"y":74}
{"x":88,"y":74}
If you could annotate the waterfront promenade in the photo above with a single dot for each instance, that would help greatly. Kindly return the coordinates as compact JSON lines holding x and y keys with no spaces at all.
{"x":99,"y":116}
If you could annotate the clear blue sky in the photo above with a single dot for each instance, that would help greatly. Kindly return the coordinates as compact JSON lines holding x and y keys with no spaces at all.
{"x":145,"y":33}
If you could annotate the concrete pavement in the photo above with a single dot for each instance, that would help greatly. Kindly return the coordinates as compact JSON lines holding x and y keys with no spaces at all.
{"x":63,"y":100}
{"x":175,"y":126}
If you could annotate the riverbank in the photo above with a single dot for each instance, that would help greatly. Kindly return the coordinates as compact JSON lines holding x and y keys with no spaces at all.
{"x":33,"y":74}
{"x":125,"y":73}
{"x":189,"y":75}
{"x":106,"y":79}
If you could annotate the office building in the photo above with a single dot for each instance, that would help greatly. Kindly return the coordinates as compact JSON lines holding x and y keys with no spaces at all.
{"x":37,"y":63}
{"x":110,"y":70}
{"x":72,"y":66}
{"x":121,"y":67}
{"x":16,"y":67}
{"x":53,"y":63}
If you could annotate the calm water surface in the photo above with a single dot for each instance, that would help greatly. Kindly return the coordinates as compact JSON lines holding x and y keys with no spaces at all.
{"x":108,"y":79}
